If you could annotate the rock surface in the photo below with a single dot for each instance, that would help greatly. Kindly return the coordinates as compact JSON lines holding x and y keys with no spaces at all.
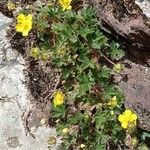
{"x":137,"y":92}
{"x":17,"y":114}
{"x":125,"y":20}
{"x":145,"y":6}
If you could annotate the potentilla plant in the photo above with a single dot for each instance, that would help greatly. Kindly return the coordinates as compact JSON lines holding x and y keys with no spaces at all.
{"x":88,"y":107}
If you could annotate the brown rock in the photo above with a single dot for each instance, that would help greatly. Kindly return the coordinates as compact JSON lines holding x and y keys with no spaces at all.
{"x":137,"y":92}
{"x":123,"y":19}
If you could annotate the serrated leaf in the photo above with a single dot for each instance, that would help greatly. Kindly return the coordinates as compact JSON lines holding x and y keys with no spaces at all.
{"x":100,"y":147}
{"x":85,"y":31}
{"x":145,"y":135}
{"x":105,"y":72}
{"x":101,"y":118}
{"x":86,"y":62}
{"x":99,"y":41}
{"x":115,"y":52}
{"x":86,"y":82}
{"x":56,"y":27}
{"x":96,"y":45}
{"x":59,"y":111}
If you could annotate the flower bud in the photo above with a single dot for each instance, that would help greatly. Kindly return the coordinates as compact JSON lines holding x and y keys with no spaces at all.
{"x":52,"y":140}
{"x":11,"y":6}
{"x":35,"y":52}
{"x":143,"y":147}
{"x":134,"y":142}
{"x":118,"y":68}
{"x":65,"y":130}
{"x":82,"y":146}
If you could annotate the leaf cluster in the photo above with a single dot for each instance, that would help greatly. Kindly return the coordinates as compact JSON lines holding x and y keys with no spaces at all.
{"x":76,"y":46}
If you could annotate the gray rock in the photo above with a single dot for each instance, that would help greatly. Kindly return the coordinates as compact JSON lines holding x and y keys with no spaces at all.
{"x":145,"y":6}
{"x":15,"y":103}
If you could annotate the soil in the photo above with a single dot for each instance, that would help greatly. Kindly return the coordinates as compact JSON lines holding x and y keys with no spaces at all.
{"x":7,"y":12}
{"x":41,"y":77}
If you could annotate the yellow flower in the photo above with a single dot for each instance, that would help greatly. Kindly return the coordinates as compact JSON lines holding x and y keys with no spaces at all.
{"x":65,"y":130}
{"x":35,"y":52}
{"x":61,"y":51}
{"x":65,"y":4}
{"x":128,"y":119}
{"x":44,"y":56}
{"x":143,"y":147}
{"x":87,"y":116}
{"x":118,"y":68}
{"x":82,"y":146}
{"x":134,"y":141}
{"x":58,"y":98}
{"x":24,"y":24}
{"x":11,"y":5}
{"x":112,"y":102}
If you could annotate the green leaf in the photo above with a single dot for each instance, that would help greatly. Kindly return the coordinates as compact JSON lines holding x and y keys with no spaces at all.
{"x":87,"y":13}
{"x":100,"y":147}
{"x":66,"y":73}
{"x":96,"y":45}
{"x":85,"y":82}
{"x":56,"y":27}
{"x":115,"y":52}
{"x":59,"y":111}
{"x":105,"y":73}
{"x":86,"y":62}
{"x":68,"y":33}
{"x":77,"y":118}
{"x":70,"y":17}
{"x":53,"y":12}
{"x":99,"y":41}
{"x":101,"y":119}
{"x":145,"y":135}
{"x":84,"y":32}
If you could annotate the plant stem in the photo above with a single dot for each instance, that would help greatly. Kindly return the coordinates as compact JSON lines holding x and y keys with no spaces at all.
{"x":108,"y":59}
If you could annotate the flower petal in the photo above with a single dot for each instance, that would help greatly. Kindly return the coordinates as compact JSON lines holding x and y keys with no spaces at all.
{"x":114,"y":98}
{"x":19,"y":27}
{"x":25,"y":32}
{"x":124,"y":125}
{"x":29,"y":17}
{"x":121,"y":118}
{"x":128,"y":113}
{"x":69,"y":7}
{"x":58,"y":98}
{"x":132,"y":124}
{"x":21,"y":18}
{"x":133,"y":117}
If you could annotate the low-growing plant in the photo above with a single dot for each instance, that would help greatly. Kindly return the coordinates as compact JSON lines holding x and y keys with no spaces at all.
{"x":87,"y":106}
{"x":77,"y":46}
